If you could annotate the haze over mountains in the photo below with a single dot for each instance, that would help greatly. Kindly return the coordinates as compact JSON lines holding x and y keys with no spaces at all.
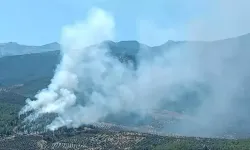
{"x":20,"y":63}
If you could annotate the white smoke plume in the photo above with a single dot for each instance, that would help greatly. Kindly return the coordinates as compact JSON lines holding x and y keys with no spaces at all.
{"x":89,"y":84}
{"x":60,"y":96}
{"x":114,"y":87}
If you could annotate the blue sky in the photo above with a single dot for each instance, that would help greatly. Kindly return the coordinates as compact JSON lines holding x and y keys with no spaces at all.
{"x":150,"y":21}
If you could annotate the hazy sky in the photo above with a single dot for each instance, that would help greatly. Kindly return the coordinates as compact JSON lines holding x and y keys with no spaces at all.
{"x":150,"y":21}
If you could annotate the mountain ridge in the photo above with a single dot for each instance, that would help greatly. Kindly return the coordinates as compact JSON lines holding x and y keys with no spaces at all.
{"x":17,"y":69}
{"x":14,"y":48}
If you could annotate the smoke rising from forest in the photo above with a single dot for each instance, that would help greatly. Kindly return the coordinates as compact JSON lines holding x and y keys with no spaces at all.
{"x":203,"y":79}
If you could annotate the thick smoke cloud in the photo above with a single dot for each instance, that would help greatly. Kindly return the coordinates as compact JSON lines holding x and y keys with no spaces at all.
{"x":89,"y":84}
{"x":60,"y":96}
{"x":224,"y":70}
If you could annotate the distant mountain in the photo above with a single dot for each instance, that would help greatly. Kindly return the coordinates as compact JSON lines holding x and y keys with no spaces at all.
{"x":12,"y":48}
{"x":32,"y":67}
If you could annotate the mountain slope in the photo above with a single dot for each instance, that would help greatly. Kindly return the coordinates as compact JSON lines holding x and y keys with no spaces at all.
{"x":22,"y":68}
